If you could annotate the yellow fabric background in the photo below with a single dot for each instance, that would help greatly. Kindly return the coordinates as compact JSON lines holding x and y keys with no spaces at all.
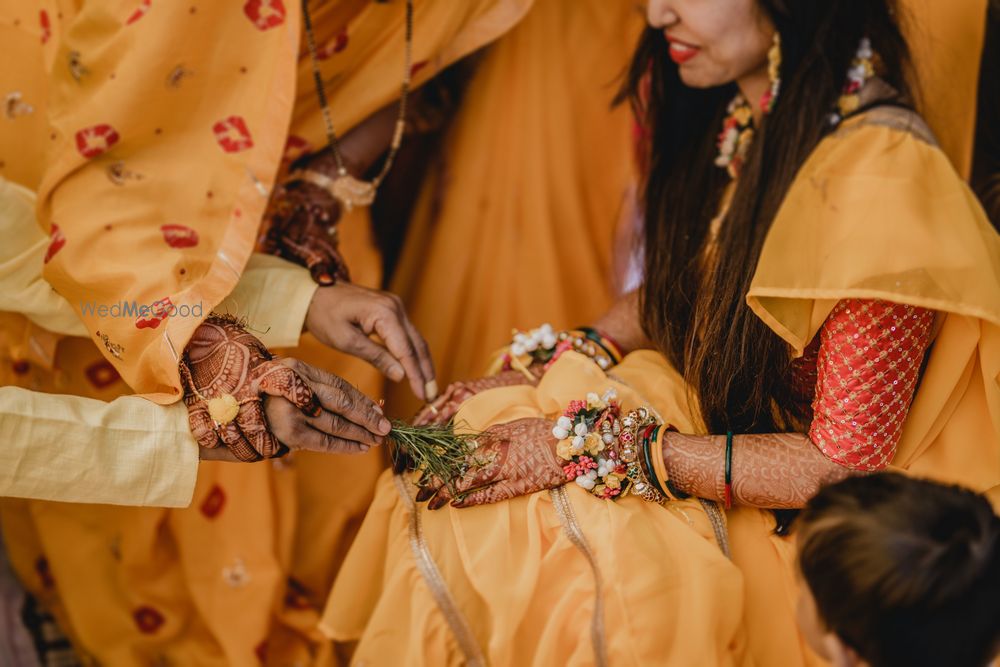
{"x":515,"y":225}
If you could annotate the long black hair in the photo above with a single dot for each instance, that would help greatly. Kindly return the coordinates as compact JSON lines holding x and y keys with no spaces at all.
{"x":693,"y":309}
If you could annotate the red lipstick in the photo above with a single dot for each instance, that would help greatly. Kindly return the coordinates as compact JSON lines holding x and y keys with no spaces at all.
{"x":681,"y":52}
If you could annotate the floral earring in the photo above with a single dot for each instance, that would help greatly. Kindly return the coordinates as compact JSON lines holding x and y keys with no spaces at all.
{"x":773,"y":74}
{"x":737,"y":129}
{"x":861,"y":70}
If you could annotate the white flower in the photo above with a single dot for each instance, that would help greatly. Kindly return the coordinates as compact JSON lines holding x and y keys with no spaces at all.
{"x":608,"y":438}
{"x":592,"y":474}
{"x":580,"y":429}
{"x":610,"y":395}
{"x":578,"y":444}
{"x":603,"y":467}
{"x":592,"y":397}
{"x":586,"y":482}
{"x":531,"y":345}
{"x":517,"y":349}
{"x":546,"y":329}
{"x":549,"y":341}
{"x":564,"y":422}
{"x":560,"y":433}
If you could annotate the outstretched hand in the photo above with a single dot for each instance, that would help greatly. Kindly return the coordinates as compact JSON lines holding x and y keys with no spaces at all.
{"x":345,"y":316}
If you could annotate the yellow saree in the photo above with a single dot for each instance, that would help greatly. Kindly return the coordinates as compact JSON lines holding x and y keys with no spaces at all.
{"x":515,"y":583}
{"x":197,"y":137}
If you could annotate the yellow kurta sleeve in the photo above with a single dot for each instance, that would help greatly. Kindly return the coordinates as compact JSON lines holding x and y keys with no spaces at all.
{"x":273,"y":295}
{"x":68,"y":448}
{"x":22,"y":288}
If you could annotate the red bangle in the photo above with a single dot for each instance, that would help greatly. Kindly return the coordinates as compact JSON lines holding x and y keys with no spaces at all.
{"x":614,"y":343}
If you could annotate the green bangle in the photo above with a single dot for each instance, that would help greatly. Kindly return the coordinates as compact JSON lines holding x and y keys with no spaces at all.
{"x":728,"y":492}
{"x":647,"y":455}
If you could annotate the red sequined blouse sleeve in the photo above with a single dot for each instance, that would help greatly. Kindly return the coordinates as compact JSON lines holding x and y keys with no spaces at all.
{"x":868,"y":365}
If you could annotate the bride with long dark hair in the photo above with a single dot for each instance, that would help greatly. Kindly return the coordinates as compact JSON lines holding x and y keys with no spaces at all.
{"x":821,"y":298}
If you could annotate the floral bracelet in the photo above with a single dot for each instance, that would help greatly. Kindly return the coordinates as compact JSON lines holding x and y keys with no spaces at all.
{"x":545,"y":345}
{"x":588,"y":434}
{"x":605,"y":453}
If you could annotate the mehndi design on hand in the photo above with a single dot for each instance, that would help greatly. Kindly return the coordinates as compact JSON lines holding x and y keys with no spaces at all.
{"x":225,"y":372}
{"x":512,"y":459}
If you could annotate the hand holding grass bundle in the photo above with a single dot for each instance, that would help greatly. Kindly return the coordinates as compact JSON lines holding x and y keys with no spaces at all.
{"x":437,"y":451}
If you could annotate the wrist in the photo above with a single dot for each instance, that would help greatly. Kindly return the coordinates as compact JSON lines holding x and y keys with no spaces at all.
{"x":658,"y":456}
{"x":321,"y":304}
{"x":326,"y":163}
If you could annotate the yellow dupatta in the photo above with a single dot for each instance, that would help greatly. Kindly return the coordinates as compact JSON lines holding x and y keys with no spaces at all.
{"x":877,"y":212}
{"x":159,"y":209}
{"x":152,"y":195}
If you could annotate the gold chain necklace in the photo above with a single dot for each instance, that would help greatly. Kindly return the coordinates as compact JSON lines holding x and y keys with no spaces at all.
{"x":344,"y":187}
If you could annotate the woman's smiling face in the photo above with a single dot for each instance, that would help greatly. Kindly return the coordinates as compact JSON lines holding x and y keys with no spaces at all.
{"x":713,"y":42}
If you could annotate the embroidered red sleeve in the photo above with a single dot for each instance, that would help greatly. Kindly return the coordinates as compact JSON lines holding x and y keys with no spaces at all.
{"x":870,"y":354}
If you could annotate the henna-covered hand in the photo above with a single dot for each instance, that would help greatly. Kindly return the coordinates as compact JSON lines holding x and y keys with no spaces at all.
{"x":511,"y":460}
{"x":443,"y":410}
{"x":303,"y":219}
{"x":225,"y":371}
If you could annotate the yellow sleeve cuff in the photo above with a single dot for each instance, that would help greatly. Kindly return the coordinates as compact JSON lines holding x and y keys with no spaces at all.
{"x":274,"y":296}
{"x":73,"y":449}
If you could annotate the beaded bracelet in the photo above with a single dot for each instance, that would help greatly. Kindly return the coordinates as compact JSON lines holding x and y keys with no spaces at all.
{"x":545,"y":345}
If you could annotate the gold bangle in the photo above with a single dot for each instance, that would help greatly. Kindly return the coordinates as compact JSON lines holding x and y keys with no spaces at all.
{"x":348,"y":191}
{"x":636,"y":421}
{"x":317,"y":178}
{"x":659,"y":465}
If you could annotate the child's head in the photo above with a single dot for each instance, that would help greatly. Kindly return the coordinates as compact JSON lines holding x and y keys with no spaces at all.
{"x":900,"y":571}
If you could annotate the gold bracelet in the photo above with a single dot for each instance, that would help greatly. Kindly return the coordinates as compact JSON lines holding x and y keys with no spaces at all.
{"x":633,"y":426}
{"x":347,"y":190}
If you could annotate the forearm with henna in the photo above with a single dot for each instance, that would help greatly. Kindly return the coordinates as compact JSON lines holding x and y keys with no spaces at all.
{"x":444,"y":408}
{"x":225,"y":372}
{"x":769,"y":471}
